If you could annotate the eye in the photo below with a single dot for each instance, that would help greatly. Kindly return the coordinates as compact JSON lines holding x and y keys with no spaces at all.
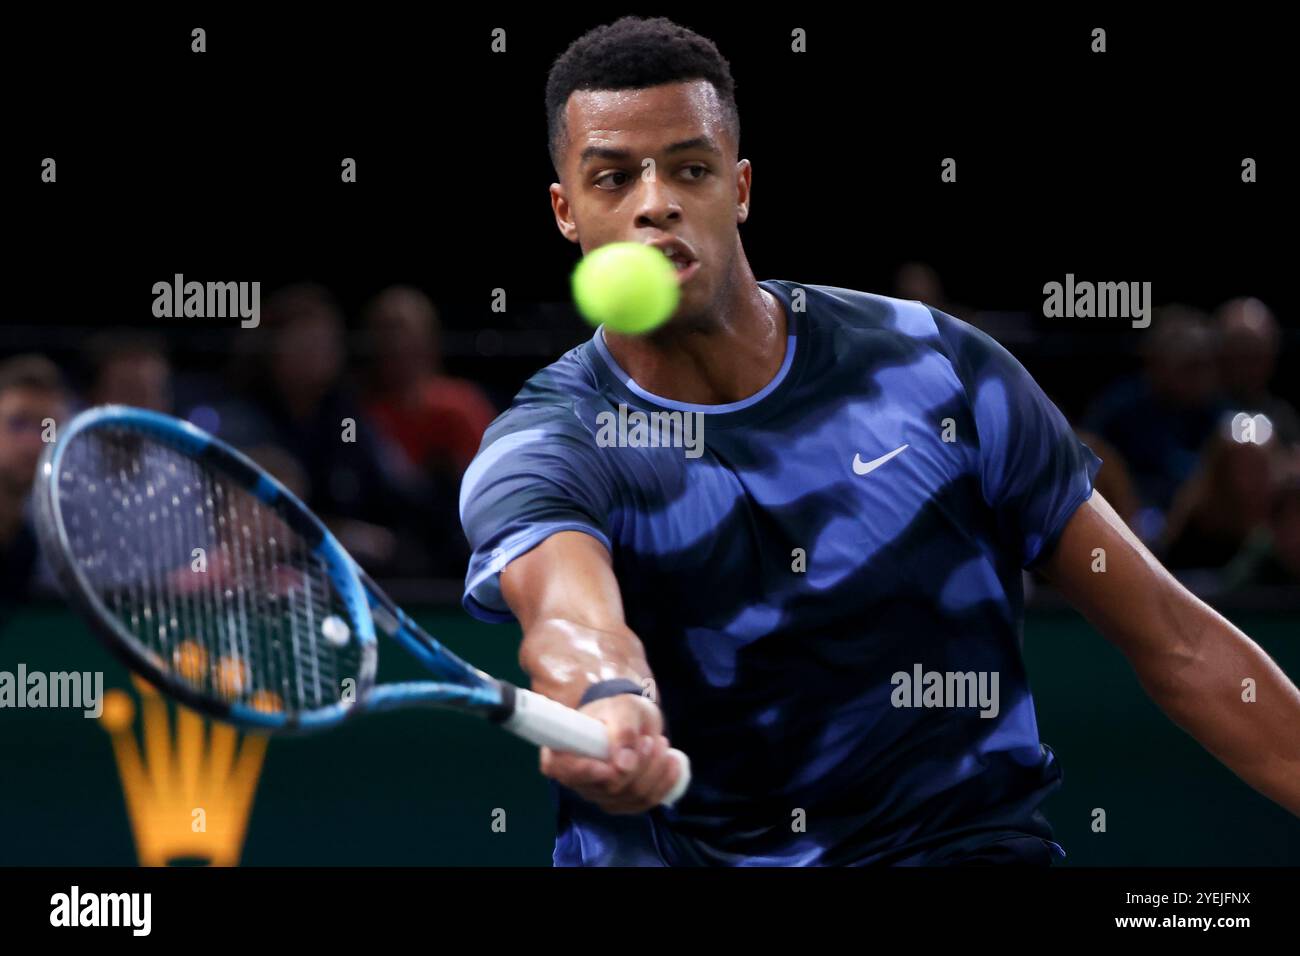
{"x":699,"y":168}
{"x":605,"y":177}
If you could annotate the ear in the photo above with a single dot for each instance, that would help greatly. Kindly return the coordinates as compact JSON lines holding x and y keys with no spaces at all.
{"x":563,"y":213}
{"x":744,"y":179}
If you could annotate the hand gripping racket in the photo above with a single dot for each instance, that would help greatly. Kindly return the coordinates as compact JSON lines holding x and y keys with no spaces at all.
{"x":207,"y":577}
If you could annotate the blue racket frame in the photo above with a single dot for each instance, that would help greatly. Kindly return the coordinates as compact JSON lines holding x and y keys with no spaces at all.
{"x":460,"y":685}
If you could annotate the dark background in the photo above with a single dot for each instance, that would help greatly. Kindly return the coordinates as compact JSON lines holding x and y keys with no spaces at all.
{"x":1123,"y":166}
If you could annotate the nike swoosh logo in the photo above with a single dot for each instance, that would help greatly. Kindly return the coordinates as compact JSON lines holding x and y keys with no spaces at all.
{"x":861,"y":467}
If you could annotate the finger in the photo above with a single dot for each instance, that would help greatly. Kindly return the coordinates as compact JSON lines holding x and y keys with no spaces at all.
{"x":642,"y":792}
{"x":661,"y":773}
{"x":630,"y":763}
{"x":672,"y":773}
{"x":573,"y":770}
{"x":625,"y":751}
{"x":638,"y":788}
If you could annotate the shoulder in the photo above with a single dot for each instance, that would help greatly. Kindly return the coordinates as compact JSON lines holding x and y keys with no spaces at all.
{"x":830,"y":307}
{"x":551,"y":403}
{"x":896,"y":330}
{"x":570,"y":377}
{"x":834,"y":310}
{"x":543,"y":433}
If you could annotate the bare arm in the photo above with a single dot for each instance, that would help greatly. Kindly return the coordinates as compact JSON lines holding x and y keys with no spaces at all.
{"x":1188,"y":657}
{"x":566,"y":598}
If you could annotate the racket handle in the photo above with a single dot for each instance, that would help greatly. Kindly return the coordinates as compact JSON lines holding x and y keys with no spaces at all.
{"x":548,"y":723}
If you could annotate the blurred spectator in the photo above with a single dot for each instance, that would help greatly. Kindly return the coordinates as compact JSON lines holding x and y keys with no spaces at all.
{"x":32,"y":393}
{"x":1249,"y":341}
{"x":1223,"y":504}
{"x":389,"y":487}
{"x":129,"y":368}
{"x":1160,"y":420}
{"x":438,"y":421}
{"x":393,"y":518}
{"x":283,"y":467}
{"x":1271,"y":556}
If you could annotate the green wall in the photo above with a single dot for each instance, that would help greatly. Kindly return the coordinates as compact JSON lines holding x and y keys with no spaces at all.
{"x":422,"y":788}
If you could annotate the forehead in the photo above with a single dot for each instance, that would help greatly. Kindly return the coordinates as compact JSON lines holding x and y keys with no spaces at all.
{"x":656,"y":115}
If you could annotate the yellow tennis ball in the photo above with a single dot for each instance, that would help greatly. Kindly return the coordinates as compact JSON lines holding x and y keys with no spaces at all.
{"x":628,"y":286}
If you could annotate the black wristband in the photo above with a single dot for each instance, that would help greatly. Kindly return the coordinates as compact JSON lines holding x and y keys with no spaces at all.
{"x":609,"y":688}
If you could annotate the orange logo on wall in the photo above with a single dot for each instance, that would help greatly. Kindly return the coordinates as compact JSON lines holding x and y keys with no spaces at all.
{"x":189,"y":793}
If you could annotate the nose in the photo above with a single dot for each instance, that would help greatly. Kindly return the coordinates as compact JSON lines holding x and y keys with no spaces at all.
{"x":656,"y":204}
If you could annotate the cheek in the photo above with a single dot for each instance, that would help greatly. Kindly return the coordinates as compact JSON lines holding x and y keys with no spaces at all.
{"x":720,"y":254}
{"x":597,"y":223}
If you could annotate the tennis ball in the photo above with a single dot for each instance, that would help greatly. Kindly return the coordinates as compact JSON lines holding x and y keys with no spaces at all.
{"x":628,"y":286}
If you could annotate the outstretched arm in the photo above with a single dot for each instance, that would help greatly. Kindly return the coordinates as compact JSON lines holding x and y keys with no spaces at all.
{"x":1189,"y":658}
{"x":567,"y":600}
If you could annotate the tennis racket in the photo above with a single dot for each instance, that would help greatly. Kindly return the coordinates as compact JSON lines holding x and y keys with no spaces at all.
{"x":207,"y":577}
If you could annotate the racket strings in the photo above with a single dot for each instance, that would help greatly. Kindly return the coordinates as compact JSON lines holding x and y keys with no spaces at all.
{"x":214,"y":588}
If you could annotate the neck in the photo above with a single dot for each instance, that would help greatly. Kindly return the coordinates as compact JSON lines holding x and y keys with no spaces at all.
{"x":722,"y":357}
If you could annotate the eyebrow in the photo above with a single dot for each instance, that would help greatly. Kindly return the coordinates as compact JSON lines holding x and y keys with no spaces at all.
{"x":606,"y":152}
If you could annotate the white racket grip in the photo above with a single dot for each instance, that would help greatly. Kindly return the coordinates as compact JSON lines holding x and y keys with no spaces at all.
{"x":548,"y":723}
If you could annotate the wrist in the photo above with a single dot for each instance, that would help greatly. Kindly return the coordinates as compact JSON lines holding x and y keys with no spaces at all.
{"x":609,"y":688}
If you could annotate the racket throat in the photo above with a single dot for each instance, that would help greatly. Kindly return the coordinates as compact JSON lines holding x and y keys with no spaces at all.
{"x":547,"y":723}
{"x":502,"y":713}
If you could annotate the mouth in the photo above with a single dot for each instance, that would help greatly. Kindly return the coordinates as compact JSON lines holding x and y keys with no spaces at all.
{"x":685,"y":263}
{"x":686,"y":268}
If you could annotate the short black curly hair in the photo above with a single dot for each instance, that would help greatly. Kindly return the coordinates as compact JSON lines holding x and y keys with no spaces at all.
{"x":633,"y":53}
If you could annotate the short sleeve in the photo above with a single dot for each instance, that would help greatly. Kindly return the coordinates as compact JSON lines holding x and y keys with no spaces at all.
{"x":1034,"y":471}
{"x":526,"y":484}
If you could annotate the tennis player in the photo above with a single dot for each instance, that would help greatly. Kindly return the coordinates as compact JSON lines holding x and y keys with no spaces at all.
{"x":824,"y":595}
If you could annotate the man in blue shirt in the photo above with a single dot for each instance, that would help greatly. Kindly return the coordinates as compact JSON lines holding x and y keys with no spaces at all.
{"x":788,"y":529}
